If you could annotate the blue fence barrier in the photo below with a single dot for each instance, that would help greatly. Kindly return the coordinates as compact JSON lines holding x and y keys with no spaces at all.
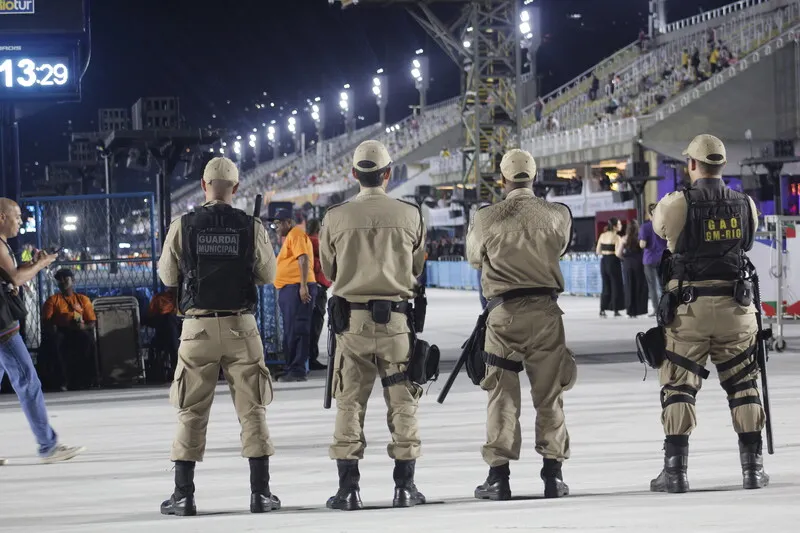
{"x":581,"y":276}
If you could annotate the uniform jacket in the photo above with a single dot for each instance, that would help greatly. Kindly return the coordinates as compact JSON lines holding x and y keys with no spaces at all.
{"x":517,"y":243}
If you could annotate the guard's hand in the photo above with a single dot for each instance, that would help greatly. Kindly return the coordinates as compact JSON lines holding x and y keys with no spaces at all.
{"x":46,"y":259}
{"x":305,"y":296}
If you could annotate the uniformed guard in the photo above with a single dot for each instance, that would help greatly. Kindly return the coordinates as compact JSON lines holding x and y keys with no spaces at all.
{"x":216,"y":255}
{"x":517,"y":244}
{"x":707,"y":310}
{"x":373,"y":249}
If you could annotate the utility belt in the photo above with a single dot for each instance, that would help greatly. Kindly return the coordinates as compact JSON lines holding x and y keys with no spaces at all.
{"x":221,"y":314}
{"x":476,"y":358}
{"x":740,"y":290}
{"x":423,"y":361}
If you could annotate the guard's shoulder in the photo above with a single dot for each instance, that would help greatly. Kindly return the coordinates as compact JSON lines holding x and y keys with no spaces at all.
{"x":331,"y":208}
{"x":415,"y":205}
{"x":484,"y":206}
{"x":564,"y":208}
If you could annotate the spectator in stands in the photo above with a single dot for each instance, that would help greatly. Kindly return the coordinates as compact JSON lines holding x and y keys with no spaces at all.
{"x":321,"y":301}
{"x":633,"y":272}
{"x":653,"y":247}
{"x":685,"y":59}
{"x":15,"y":360}
{"x":70,"y":320}
{"x":297,"y":291}
{"x":162,"y":315}
{"x":594,"y":88}
{"x":538,"y":108}
{"x":695,"y":63}
{"x":714,"y":60}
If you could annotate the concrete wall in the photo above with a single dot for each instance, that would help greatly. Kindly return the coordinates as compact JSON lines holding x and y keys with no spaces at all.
{"x":452,"y":138}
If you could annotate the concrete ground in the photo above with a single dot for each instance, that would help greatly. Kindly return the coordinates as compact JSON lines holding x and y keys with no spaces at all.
{"x":612,"y":415}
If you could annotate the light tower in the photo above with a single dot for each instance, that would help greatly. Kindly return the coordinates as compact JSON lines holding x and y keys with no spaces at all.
{"x":273,"y":136}
{"x":420,"y":71}
{"x":380,"y":88}
{"x":346,"y":105}
{"x":292,"y":126}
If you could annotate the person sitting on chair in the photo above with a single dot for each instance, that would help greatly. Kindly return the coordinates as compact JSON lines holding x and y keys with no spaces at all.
{"x":162,"y":315}
{"x":69,"y":317}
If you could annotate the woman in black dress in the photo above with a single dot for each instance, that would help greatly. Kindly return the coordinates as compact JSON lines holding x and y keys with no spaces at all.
{"x":633,"y":271}
{"x":609,"y":245}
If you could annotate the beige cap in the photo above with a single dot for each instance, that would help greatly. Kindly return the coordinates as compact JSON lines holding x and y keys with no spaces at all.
{"x":371,"y":156}
{"x":708,"y":149}
{"x":516,"y":162}
{"x":221,"y":168}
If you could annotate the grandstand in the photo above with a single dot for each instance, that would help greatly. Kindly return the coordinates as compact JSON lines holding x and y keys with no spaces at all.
{"x":634,"y":89}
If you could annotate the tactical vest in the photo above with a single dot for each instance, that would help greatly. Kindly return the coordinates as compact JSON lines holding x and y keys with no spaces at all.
{"x":718,"y":231}
{"x":218,"y":259}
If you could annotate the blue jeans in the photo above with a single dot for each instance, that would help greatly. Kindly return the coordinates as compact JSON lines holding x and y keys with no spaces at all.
{"x":16,"y":361}
{"x":297,"y":318}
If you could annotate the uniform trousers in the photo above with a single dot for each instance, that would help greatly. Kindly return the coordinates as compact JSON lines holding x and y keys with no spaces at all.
{"x":715,"y":327}
{"x":527,"y":330}
{"x":365,"y":351}
{"x":208,"y":344}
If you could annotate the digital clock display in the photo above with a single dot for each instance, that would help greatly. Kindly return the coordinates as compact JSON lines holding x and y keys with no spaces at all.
{"x":21,"y":73}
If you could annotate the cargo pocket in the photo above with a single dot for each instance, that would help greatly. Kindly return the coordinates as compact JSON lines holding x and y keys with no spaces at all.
{"x":491,"y":379}
{"x":569,"y":371}
{"x":177,"y":391}
{"x":191,"y":334}
{"x":244,"y":333}
{"x":265,"y":385}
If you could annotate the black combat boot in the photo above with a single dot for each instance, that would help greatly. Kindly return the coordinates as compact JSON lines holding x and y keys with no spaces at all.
{"x":554,"y":486}
{"x":753,"y":474}
{"x":405,"y":491}
{"x":676,"y":460}
{"x":496,"y":486}
{"x":261,"y":499}
{"x":348,"y":497}
{"x":181,"y":503}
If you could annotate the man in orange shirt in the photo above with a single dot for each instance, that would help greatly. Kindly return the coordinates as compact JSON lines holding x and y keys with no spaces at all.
{"x":70,"y":318}
{"x":297,"y":290}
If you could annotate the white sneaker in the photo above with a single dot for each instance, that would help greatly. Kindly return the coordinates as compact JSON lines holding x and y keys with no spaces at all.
{"x":62,"y":453}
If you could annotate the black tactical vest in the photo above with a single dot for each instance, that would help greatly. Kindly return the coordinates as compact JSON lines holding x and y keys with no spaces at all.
{"x":718,"y":231}
{"x":218,"y":259}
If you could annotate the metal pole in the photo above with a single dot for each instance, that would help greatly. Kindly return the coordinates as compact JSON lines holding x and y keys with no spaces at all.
{"x":780,"y":276}
{"x":153,"y":242}
{"x":109,"y":222}
{"x":518,"y":80}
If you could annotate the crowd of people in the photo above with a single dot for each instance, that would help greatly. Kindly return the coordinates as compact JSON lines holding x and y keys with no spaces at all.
{"x":655,"y":76}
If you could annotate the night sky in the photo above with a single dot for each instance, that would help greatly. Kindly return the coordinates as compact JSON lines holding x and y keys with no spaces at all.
{"x":293,"y":50}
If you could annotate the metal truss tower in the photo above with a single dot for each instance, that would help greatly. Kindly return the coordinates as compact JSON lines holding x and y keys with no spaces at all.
{"x":486,"y":43}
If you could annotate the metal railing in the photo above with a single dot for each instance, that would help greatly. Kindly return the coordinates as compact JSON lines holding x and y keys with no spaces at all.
{"x":723,"y":11}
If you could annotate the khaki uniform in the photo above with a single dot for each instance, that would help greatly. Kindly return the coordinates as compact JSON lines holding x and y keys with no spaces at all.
{"x":517,"y":243}
{"x":234,"y":343}
{"x":373,"y":248}
{"x":712,"y":326}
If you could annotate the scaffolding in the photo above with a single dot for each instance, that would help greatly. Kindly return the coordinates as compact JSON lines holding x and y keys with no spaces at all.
{"x":485,"y":42}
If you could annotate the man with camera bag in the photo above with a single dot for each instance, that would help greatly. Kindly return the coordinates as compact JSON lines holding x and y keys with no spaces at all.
{"x":15,"y":360}
{"x":373,"y":249}
{"x":707,"y":311}
{"x":517,"y":244}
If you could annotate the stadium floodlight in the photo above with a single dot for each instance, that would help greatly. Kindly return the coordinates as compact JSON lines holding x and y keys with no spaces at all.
{"x":525,"y":24}
{"x":222,"y":151}
{"x":69,"y":227}
{"x":252,"y":144}
{"x":237,"y":148}
{"x":380,"y":88}
{"x":419,"y":71}
{"x":271,"y":134}
{"x":253,"y":138}
{"x":293,"y":125}
{"x":238,"y":137}
{"x":467,"y":44}
{"x":420,"y":52}
{"x":255,"y":130}
{"x":343,"y":101}
{"x":70,"y":219}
